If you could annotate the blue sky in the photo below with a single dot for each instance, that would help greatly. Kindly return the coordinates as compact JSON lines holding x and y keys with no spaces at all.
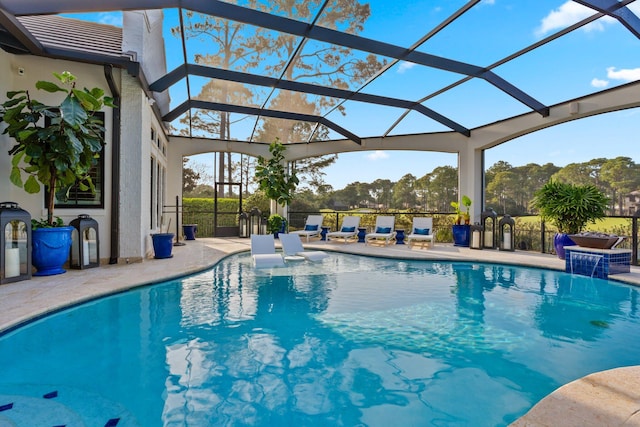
{"x":601,"y":55}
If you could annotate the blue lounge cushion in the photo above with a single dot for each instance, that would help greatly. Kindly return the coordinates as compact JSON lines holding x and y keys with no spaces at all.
{"x":421,"y":231}
{"x":383,"y":230}
{"x":348,"y":229}
{"x":311,"y":227}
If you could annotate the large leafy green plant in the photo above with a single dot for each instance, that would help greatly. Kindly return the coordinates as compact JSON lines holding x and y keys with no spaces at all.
{"x":274,"y":223}
{"x":272,"y":177}
{"x":570,"y":207}
{"x":56,"y":145}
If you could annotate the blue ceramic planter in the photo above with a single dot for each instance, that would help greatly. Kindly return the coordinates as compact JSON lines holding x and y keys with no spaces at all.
{"x":460,"y":235}
{"x":560,"y":240}
{"x":162,"y":245}
{"x":50,"y":251}
{"x":190,"y":231}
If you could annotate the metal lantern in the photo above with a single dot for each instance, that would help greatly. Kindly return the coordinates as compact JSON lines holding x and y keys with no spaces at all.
{"x":476,"y":231}
{"x":255,"y":222}
{"x":507,"y":234}
{"x":243,"y":225}
{"x":15,"y":243}
{"x":489,"y":220}
{"x":85,"y":243}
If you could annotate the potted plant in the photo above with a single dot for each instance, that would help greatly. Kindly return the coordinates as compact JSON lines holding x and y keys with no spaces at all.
{"x":56,"y":146}
{"x":276,"y":224}
{"x":569,"y":208}
{"x":272,"y":177}
{"x":460,"y":228}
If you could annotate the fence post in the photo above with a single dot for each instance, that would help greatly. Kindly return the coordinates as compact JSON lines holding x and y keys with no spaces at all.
{"x":634,"y":238}
{"x":178,"y":242}
{"x":542,"y":238}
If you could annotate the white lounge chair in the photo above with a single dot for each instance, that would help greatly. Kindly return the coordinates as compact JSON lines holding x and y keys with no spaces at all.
{"x":263,"y":251}
{"x":312,"y":227}
{"x":292,"y":248}
{"x":384,"y":231}
{"x":421,"y":231}
{"x":348,"y":230}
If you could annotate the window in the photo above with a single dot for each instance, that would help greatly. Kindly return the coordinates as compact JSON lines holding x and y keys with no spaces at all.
{"x":78,"y":198}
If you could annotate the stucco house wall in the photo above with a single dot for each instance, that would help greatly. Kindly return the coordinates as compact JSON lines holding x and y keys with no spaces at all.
{"x":142,"y":138}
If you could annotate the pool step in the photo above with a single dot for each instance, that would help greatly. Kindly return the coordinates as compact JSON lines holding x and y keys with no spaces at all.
{"x":38,"y":405}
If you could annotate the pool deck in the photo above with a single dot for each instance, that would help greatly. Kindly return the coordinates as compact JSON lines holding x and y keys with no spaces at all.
{"x":609,"y":398}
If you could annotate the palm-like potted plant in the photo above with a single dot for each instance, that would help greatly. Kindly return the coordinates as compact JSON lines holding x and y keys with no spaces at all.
{"x":56,"y":147}
{"x":569,"y":208}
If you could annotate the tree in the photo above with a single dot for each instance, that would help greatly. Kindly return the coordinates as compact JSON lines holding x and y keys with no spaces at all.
{"x":421,"y":189}
{"x":442,"y":187}
{"x":329,"y":64}
{"x":238,"y":46}
{"x":190,"y":178}
{"x":56,"y":145}
{"x":311,"y":171}
{"x":497,"y":167}
{"x":501,"y":191}
{"x":354,"y":195}
{"x":403,"y":194}
{"x":622,"y":175}
{"x":576,"y":174}
{"x":274,"y":180}
{"x":233,"y":47}
{"x":381,"y":191}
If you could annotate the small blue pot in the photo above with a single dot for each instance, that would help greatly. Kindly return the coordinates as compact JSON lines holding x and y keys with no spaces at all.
{"x":190,"y":231}
{"x":162,"y":245}
{"x":50,"y":250}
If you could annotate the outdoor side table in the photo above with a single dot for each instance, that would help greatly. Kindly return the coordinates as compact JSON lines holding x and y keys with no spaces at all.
{"x":362,"y":231}
{"x":323,"y":233}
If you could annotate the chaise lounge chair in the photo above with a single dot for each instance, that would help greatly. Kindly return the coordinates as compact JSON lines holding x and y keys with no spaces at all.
{"x":383,"y":232}
{"x":349,"y":229}
{"x":263,"y":251}
{"x":422,"y":231}
{"x":293,"y":249}
{"x":312,"y":227}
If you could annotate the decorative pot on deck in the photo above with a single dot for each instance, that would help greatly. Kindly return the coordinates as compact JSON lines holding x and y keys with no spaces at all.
{"x":460,"y":235}
{"x":50,"y":250}
{"x":162,"y":245}
{"x":560,"y":240}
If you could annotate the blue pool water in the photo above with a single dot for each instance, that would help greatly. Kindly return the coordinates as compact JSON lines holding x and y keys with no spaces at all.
{"x":350,"y":341}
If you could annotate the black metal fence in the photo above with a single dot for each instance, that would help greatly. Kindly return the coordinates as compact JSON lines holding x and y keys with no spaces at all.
{"x":530,"y":234}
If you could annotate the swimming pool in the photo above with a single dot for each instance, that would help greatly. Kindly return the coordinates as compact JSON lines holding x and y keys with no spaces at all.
{"x":349,"y":341}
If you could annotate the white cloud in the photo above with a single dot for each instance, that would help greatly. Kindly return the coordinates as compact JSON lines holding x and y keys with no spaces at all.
{"x":404,"y":66}
{"x":599,"y":83}
{"x":110,"y":18}
{"x":627,"y":75}
{"x":568,"y":14}
{"x":488,"y":1}
{"x":377,"y":155}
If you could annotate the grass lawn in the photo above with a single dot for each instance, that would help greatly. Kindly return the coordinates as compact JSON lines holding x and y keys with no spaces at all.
{"x":606,"y":225}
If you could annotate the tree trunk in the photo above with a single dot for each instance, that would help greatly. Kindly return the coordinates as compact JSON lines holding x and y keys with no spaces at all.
{"x":51,"y":199}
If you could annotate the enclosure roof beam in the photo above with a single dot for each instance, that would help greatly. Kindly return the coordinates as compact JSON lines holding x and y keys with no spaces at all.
{"x":241,"y":109}
{"x":182,"y":71}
